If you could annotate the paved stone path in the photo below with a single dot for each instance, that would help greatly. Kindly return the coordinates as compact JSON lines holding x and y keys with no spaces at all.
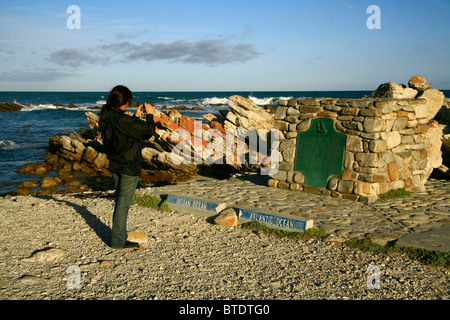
{"x":419,"y":220}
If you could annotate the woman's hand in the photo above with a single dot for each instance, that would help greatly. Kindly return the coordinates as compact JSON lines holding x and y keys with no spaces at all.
{"x":147,"y":107}
{"x":139,"y":111}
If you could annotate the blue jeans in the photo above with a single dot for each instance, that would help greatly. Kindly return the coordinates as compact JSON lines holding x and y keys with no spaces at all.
{"x":125,"y":188}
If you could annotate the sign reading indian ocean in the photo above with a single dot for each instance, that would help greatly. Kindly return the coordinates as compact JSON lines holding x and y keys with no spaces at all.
{"x":320,"y":152}
{"x":195,"y":204}
{"x":276,"y":220}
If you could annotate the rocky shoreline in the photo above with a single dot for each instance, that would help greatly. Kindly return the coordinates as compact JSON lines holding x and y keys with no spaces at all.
{"x":76,"y":163}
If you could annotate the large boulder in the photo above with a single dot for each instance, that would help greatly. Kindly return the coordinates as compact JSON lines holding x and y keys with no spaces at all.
{"x":245,"y":114}
{"x":92,"y":120}
{"x":392,"y":90}
{"x":434,"y":100}
{"x":227,"y":217}
{"x":419,"y":83}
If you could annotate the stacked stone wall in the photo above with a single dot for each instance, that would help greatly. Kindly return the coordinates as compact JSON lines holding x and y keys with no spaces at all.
{"x":390,"y":144}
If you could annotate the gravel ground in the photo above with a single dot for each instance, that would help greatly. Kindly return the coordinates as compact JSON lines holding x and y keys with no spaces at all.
{"x":185,"y":257}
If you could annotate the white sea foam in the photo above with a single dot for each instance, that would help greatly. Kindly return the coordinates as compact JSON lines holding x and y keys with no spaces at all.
{"x":81,"y":107}
{"x":7,"y":144}
{"x":215,"y":101}
{"x":102,"y":102}
{"x":285,"y":98}
{"x":265,"y":101}
{"x":32,"y":107}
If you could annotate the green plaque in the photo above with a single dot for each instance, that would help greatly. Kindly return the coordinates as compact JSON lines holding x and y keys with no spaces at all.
{"x":320,"y":152}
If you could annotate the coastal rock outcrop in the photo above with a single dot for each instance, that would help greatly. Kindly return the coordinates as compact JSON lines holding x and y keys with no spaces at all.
{"x":411,"y":123}
{"x":247,"y":115}
{"x":10,"y":106}
{"x":181,"y":143}
{"x":181,"y":148}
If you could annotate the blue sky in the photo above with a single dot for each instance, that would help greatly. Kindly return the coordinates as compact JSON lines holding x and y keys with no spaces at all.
{"x":245,"y":45}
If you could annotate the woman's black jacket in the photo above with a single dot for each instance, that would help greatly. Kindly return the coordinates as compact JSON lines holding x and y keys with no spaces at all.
{"x":122,"y":139}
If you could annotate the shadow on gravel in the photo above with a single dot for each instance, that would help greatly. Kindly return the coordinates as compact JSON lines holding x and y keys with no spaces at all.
{"x":101,"y":229}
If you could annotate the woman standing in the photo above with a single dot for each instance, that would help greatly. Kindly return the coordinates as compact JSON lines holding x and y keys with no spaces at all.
{"x":122,"y":138}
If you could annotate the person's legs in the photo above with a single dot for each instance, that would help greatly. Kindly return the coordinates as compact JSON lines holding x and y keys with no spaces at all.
{"x":125,"y":189}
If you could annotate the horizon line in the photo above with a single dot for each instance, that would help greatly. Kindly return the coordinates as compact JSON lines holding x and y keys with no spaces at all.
{"x":334,"y":90}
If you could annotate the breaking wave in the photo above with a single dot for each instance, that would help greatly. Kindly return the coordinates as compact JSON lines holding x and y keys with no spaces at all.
{"x":80,"y":107}
{"x":266,"y":101}
{"x":7,"y":144}
{"x":215,"y":101}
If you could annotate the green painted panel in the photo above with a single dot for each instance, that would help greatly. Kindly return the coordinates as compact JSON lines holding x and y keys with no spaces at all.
{"x":320,"y":152}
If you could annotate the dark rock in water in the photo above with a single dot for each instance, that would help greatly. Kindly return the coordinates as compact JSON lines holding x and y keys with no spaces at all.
{"x":48,"y":183}
{"x":39,"y":168}
{"x":10,"y":106}
{"x":27,"y":185}
{"x":27,"y":168}
{"x":180,"y":108}
{"x":135,"y":104}
{"x":22,"y":192}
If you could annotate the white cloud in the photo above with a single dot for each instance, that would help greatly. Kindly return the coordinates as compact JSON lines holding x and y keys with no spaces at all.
{"x":314,"y":60}
{"x":348,"y":6}
{"x":75,"y":57}
{"x":207,"y":52}
{"x":36,"y":75}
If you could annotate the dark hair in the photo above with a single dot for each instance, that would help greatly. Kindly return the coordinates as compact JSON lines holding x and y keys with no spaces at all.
{"x":118,"y":96}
